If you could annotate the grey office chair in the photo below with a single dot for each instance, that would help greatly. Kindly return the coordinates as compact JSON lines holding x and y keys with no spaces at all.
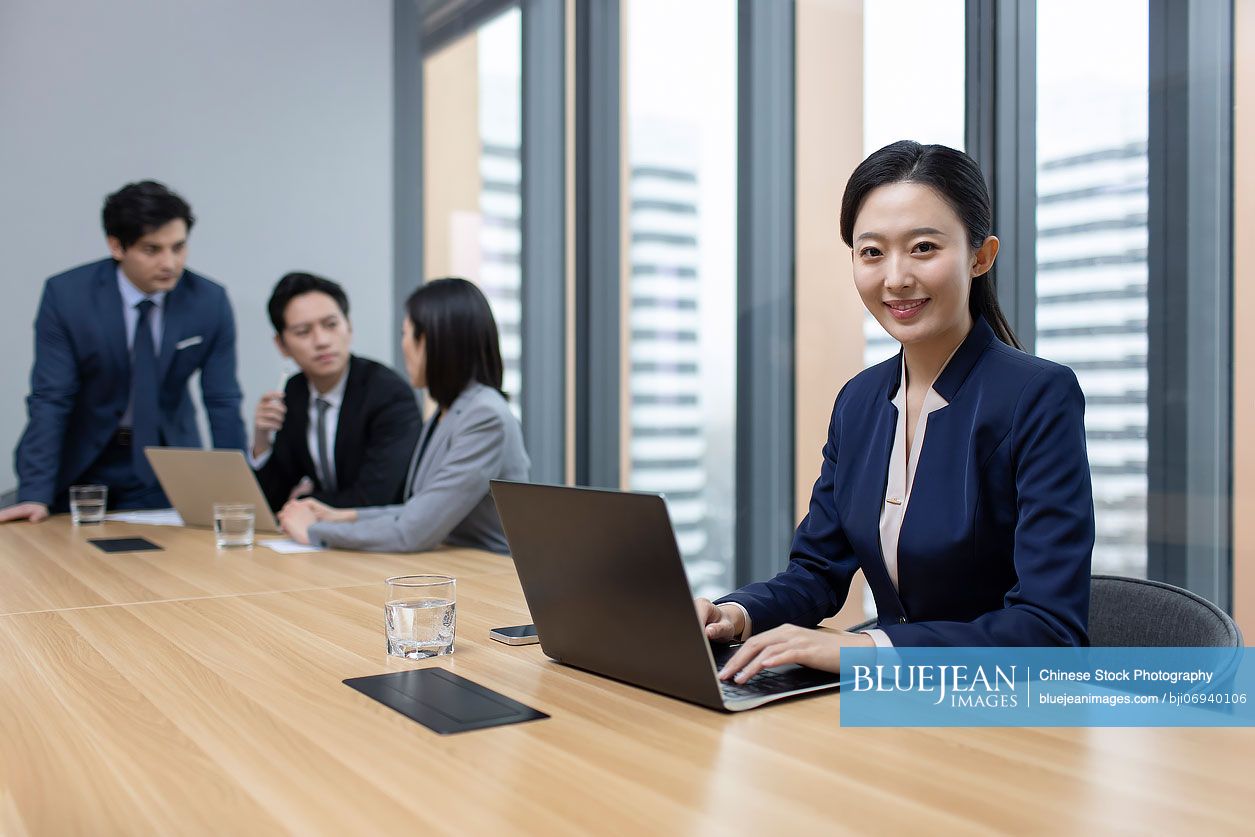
{"x":1135,"y":611}
{"x":1127,"y":612}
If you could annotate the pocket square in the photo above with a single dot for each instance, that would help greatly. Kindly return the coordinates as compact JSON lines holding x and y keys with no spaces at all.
{"x":191,"y":341}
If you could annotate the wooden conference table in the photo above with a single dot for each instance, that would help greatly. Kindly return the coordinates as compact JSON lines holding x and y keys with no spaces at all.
{"x":195,"y":691}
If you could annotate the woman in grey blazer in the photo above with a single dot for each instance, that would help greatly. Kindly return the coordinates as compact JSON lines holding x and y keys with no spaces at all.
{"x":451,"y":347}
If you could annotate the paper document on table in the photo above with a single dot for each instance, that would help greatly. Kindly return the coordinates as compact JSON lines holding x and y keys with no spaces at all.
{"x":289,"y":547}
{"x":148,"y":517}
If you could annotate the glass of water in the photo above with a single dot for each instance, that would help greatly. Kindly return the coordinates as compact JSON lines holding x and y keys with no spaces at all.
{"x":87,"y":503}
{"x":233,"y":524}
{"x":419,"y":613}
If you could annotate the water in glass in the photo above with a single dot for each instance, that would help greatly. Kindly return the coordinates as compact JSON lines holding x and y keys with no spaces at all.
{"x":87,"y":504}
{"x":233,"y":526}
{"x":420,"y":627}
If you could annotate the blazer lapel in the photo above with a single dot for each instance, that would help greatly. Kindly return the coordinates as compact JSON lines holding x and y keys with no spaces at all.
{"x":882,"y":446}
{"x":880,"y":449}
{"x":964,"y":359}
{"x":109,"y":305}
{"x":419,"y":467}
{"x":433,"y":453}
{"x":298,"y":411}
{"x":174,"y":315}
{"x":348,"y":427}
{"x":449,"y":425}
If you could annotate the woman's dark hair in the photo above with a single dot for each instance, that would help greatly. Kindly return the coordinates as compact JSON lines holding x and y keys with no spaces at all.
{"x":137,"y":209}
{"x":957,"y":179}
{"x":462,"y":341}
{"x":297,"y":284}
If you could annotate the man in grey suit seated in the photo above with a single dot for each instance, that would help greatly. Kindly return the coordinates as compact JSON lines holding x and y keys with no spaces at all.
{"x":452,"y":349}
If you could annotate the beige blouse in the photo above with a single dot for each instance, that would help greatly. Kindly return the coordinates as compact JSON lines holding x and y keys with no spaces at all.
{"x":901,"y":478}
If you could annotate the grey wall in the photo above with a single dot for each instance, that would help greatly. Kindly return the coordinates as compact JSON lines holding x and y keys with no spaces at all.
{"x":272,"y":117}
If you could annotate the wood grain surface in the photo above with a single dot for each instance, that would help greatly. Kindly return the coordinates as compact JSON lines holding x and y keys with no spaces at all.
{"x":52,"y":566}
{"x":190,"y":691}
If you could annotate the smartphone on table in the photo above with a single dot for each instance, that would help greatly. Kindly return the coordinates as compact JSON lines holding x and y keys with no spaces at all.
{"x":515,"y":635}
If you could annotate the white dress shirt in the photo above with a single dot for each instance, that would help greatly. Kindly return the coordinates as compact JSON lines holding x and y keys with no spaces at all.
{"x":335,"y":399}
{"x":898,"y":485}
{"x":132,"y":296}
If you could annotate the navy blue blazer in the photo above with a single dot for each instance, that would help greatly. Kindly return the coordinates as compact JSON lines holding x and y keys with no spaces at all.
{"x":996,"y":543}
{"x":81,"y":380}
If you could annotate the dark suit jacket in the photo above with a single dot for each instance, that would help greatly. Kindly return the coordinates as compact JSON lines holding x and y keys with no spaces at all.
{"x":81,"y":380}
{"x":996,"y":543}
{"x":375,"y":436}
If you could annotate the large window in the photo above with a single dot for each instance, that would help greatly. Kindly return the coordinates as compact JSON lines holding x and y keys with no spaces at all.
{"x":1092,"y":111}
{"x":473,"y":175}
{"x":679,"y":298}
{"x":906,"y":42}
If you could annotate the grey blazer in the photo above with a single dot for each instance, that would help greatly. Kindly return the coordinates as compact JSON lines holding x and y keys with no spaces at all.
{"x":447,"y":499}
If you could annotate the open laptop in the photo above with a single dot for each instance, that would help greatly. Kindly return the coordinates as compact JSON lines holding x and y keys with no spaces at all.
{"x":605,"y":584}
{"x":195,"y":479}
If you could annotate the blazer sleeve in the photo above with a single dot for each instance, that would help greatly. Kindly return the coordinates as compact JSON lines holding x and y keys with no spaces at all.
{"x":220,"y":389}
{"x":391,"y":432}
{"x":1054,"y":533}
{"x":54,"y":386}
{"x":426,"y":519}
{"x":821,"y":561}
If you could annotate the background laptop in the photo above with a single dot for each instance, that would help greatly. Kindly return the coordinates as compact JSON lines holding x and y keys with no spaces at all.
{"x":195,"y":479}
{"x":605,"y":584}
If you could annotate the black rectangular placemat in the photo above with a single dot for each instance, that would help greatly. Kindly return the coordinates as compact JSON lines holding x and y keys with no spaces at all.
{"x":123,"y":544}
{"x":443,"y":702}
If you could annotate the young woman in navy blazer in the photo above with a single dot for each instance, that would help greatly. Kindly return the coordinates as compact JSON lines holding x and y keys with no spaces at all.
{"x":979,"y":534}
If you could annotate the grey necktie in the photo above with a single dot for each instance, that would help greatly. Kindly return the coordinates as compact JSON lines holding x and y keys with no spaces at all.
{"x":329,"y":481}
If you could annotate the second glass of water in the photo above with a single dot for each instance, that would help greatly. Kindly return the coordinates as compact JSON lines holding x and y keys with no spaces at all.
{"x":233,"y":524}
{"x":419,"y":615}
{"x":87,"y":503}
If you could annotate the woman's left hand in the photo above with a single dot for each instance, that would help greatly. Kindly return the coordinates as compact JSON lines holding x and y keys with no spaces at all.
{"x":296,"y":518}
{"x":790,"y":644}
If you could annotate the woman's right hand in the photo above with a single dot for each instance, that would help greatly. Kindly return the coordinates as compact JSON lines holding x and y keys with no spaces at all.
{"x":322,"y":512}
{"x":722,"y":623}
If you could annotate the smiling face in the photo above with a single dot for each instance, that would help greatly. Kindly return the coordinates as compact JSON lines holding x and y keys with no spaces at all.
{"x":913,"y":265}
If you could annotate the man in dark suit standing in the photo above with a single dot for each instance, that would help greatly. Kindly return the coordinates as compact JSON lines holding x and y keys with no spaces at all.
{"x":344,"y":429}
{"x":115,"y":343}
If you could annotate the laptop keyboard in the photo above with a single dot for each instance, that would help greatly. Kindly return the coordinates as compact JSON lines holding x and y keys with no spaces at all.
{"x":769,"y":681}
{"x":763,"y":683}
